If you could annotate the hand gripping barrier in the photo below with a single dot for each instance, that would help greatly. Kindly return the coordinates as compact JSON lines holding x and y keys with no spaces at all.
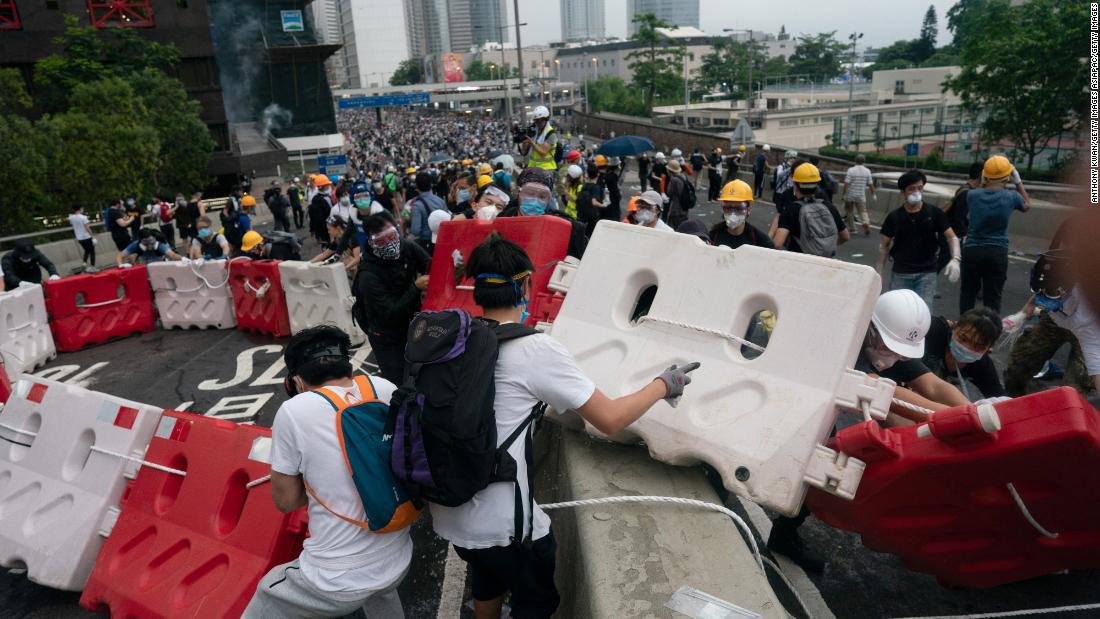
{"x":546,"y":240}
{"x":319,"y":294}
{"x":192,"y":295}
{"x":25,"y":338}
{"x":756,"y":418}
{"x":258,"y":296}
{"x":195,"y":545}
{"x":92,"y":309}
{"x":979,"y":496}
{"x":65,"y":459}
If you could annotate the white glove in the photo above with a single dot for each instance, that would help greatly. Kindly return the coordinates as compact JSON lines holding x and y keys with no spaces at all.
{"x":54,"y":278}
{"x":198,"y":262}
{"x":992,"y":400}
{"x":185,"y":260}
{"x":952,"y":270}
{"x":26,"y":285}
{"x":1012,"y":323}
{"x":125,"y":265}
{"x":95,"y":241}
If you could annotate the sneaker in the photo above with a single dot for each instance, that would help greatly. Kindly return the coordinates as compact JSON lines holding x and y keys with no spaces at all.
{"x":787,"y":542}
{"x":866,"y":230}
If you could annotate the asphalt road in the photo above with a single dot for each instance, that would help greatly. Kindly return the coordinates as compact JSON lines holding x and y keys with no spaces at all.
{"x":238,"y":376}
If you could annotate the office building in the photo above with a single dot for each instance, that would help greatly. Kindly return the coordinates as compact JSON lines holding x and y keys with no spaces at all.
{"x":676,"y":12}
{"x":326,"y":24}
{"x":437,"y":26}
{"x":582,"y":20}
{"x":374,"y":40}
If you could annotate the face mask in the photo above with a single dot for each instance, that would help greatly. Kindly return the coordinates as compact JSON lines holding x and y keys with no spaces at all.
{"x":377,"y":187}
{"x":204,"y":233}
{"x":915,"y":198}
{"x":462,"y":196}
{"x":645,"y":217}
{"x":24,"y":258}
{"x":532,"y":206}
{"x":362,"y":203}
{"x":734,"y":220}
{"x":523,"y":314}
{"x":148,"y":245}
{"x":963,"y":354}
{"x":879,"y":360}
{"x":345,"y":201}
{"x":1048,"y":304}
{"x":487,"y":213}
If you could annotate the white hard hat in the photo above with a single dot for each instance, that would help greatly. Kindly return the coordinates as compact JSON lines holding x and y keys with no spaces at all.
{"x":540,"y":112}
{"x":659,"y":155}
{"x":297,"y":180}
{"x":575,"y":171}
{"x":435,"y":220}
{"x":676,"y":152}
{"x":902,"y":320}
{"x":767,"y":147}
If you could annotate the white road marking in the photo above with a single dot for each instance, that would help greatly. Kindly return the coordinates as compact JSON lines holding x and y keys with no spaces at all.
{"x":454,"y":586}
{"x":809,"y":593}
{"x":244,"y":368}
{"x":249,"y":405}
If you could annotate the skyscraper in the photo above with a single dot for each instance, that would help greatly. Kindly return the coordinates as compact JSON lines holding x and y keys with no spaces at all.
{"x":326,"y":20}
{"x":678,"y":12}
{"x":437,"y":26}
{"x":582,"y":20}
{"x":374,"y":40}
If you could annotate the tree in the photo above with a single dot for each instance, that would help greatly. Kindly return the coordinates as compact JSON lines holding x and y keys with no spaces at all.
{"x":818,"y":56}
{"x":22,"y":192}
{"x":610,"y":93}
{"x":925,"y":45}
{"x":408,"y":72}
{"x":185,"y":143}
{"x":1022,"y":66}
{"x":478,"y":71}
{"x":657,"y":65}
{"x":88,"y":54}
{"x":962,"y":18}
{"x":727,"y":67}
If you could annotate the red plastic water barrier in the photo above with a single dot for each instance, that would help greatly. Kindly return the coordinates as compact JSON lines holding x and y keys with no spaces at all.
{"x":5,"y":383}
{"x":195,"y":545}
{"x":940,"y":495}
{"x":545,"y":307}
{"x":546,"y":240}
{"x":95,"y":308}
{"x":258,"y":298}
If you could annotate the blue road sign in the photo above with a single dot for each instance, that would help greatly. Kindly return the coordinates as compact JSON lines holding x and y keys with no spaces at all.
{"x":292,"y":21}
{"x":912,"y":149}
{"x":416,"y":98}
{"x":332,"y":164}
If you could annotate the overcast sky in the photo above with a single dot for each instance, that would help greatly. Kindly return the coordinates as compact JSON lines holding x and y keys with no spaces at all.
{"x":880,"y":22}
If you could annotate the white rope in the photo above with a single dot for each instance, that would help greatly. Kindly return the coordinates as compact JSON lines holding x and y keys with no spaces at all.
{"x":1016,"y":613}
{"x":700,"y":329}
{"x":256,"y":482}
{"x":102,"y":303}
{"x":912,"y":407}
{"x":668,"y":499}
{"x":790,"y":586}
{"x":107,"y":452}
{"x":1027,"y":514}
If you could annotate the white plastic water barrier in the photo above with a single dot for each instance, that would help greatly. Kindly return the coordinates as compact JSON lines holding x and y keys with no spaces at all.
{"x":25,"y":338}
{"x":59,"y":490}
{"x":644,"y":299}
{"x":192,"y":294}
{"x":318,"y":294}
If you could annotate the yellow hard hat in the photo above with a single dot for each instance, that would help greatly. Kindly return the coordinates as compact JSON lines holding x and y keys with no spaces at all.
{"x":411,"y":170}
{"x":484,"y":180}
{"x":997,"y":167}
{"x":807,"y":173}
{"x":467,"y":161}
{"x":250,"y":240}
{"x":601,"y":161}
{"x":248,"y":200}
{"x":485,"y":169}
{"x":741,"y":148}
{"x":736,"y":191}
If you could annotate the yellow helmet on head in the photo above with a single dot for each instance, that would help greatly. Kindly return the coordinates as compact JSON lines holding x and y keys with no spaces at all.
{"x":248,"y":200}
{"x":741,"y":148}
{"x":806,"y":174}
{"x":996,"y":167}
{"x":250,"y":240}
{"x":601,"y":161}
{"x":736,"y":191}
{"x":484,"y":180}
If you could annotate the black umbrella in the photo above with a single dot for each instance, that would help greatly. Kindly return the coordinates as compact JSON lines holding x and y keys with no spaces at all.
{"x":496,"y":153}
{"x":436,"y":158}
{"x":626,"y":146}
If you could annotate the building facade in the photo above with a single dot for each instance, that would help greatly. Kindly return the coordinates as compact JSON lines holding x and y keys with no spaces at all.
{"x":582,"y":20}
{"x":327,"y":23}
{"x":434,"y":27}
{"x":676,"y":12}
{"x":374,"y":40}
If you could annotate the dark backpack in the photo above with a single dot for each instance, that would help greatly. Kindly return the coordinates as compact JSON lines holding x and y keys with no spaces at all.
{"x":687,"y":195}
{"x":232,"y":225}
{"x":108,"y":225}
{"x":442,"y":418}
{"x":818,"y":230}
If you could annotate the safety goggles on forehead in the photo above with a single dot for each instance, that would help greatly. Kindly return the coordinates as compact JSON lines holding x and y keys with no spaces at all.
{"x":386,"y":236}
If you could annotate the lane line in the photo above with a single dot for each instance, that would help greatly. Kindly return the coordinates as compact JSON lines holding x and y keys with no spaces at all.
{"x":454,"y":586}
{"x":805,"y":587}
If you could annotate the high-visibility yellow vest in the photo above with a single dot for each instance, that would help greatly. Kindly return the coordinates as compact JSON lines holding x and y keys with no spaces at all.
{"x":547,"y":161}
{"x":571,"y":194}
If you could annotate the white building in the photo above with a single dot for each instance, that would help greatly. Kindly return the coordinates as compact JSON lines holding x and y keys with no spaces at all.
{"x":374,"y":39}
{"x":326,"y":20}
{"x":582,"y":20}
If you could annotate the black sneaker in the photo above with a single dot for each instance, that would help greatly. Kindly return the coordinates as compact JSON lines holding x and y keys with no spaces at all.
{"x":787,"y":542}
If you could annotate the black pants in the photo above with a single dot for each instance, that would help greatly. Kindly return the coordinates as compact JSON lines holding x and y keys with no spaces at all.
{"x":714,"y":186}
{"x":89,"y":251}
{"x":299,"y":216}
{"x":643,"y":178}
{"x":282,"y":222}
{"x":390,"y":356}
{"x":169,"y":232}
{"x":984,"y":268}
{"x":757,"y":183}
{"x":527,"y":572}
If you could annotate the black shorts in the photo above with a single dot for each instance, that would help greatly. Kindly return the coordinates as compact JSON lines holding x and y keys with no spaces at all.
{"x":527,"y":572}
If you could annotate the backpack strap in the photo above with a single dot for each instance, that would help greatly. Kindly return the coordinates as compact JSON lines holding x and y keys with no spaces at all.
{"x":522,"y":535}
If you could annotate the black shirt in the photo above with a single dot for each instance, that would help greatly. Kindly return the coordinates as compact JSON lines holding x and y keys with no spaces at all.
{"x":720,"y":235}
{"x":982,"y":372}
{"x":788,"y":219}
{"x":916,"y":238}
{"x":902,"y":372}
{"x":958,"y":213}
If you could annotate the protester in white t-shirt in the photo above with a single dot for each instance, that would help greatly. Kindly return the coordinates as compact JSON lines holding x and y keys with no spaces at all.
{"x":531,"y":369}
{"x":83,"y":231}
{"x":648,"y":214}
{"x":342,"y":567}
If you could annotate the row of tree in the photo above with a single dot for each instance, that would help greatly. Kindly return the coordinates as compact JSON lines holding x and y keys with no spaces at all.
{"x":111,"y":122}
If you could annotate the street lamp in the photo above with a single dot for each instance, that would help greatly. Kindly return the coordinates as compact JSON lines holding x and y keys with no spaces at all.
{"x":854,"y":37}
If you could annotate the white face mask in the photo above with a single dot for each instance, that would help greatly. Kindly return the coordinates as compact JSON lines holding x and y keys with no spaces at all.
{"x":879,"y":360}
{"x":645,"y":217}
{"x":734,"y":220}
{"x":915,"y":198}
{"x":487,"y":213}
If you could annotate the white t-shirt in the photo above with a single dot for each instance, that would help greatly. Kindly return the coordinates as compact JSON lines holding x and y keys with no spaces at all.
{"x":1077,"y":317}
{"x":338,"y":556}
{"x":529,"y":370}
{"x":347,"y":213}
{"x":661,"y":225}
{"x":79,"y":223}
{"x":858,"y":178}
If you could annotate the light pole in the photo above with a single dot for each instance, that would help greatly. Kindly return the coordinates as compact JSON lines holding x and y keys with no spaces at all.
{"x":503,"y":67}
{"x":519,"y":54}
{"x":687,"y":94}
{"x":752,"y":61}
{"x":855,"y":36}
